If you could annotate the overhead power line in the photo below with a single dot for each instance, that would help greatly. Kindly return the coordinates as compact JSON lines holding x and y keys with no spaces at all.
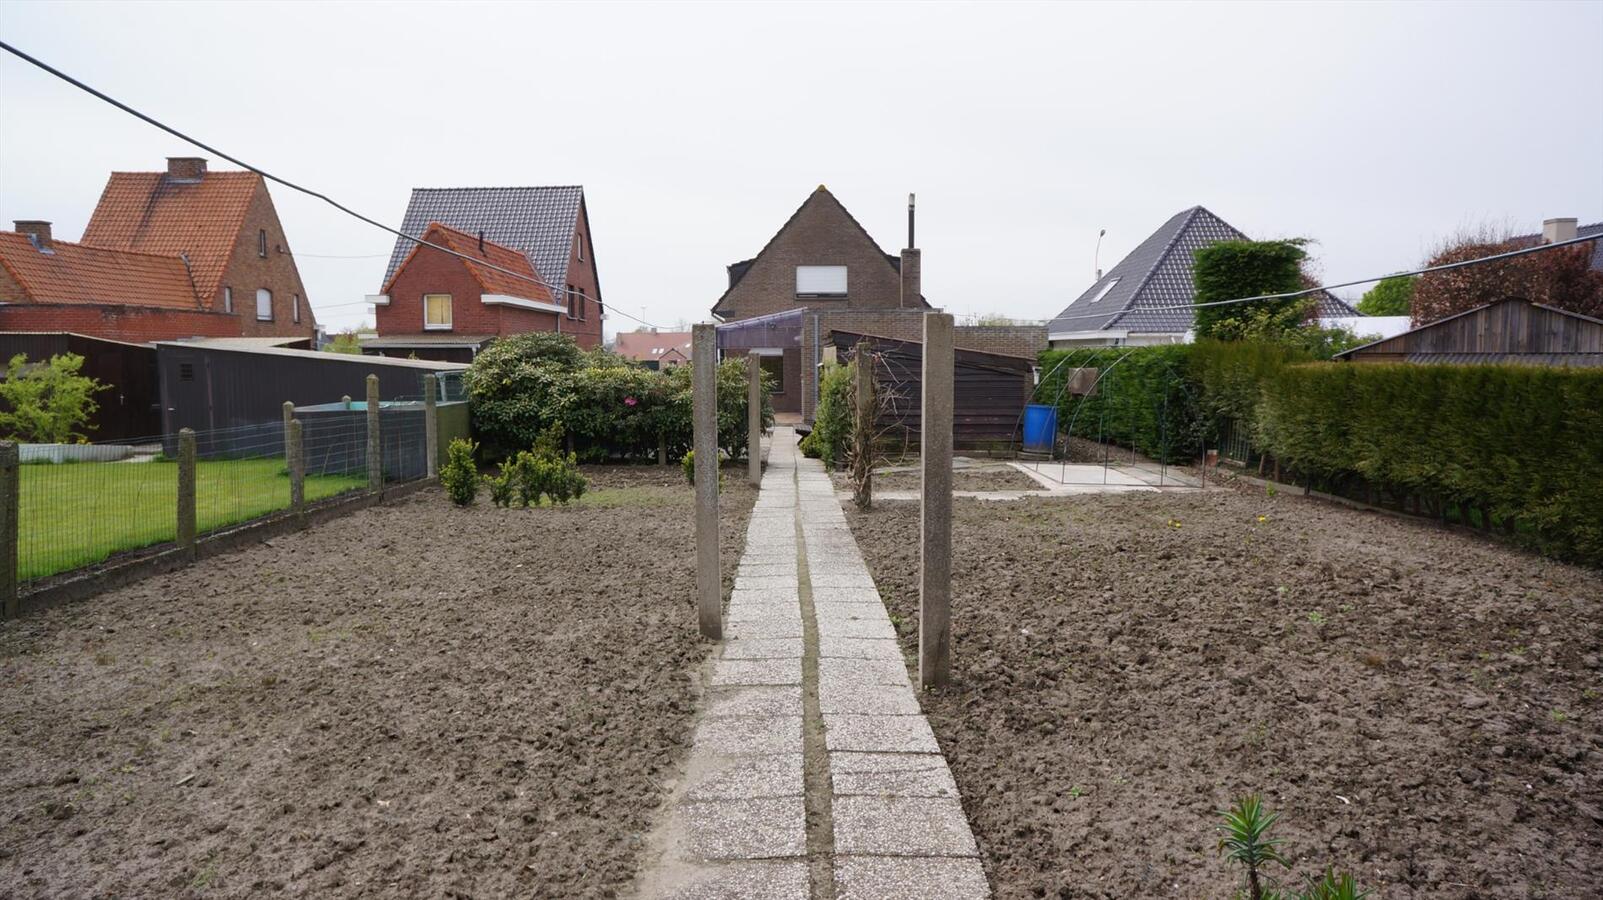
{"x":151,"y":120}
{"x":1314,"y":290}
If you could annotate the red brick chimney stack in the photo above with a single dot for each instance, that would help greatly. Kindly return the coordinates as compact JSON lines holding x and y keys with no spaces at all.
{"x":37,"y":230}
{"x":186,"y":168}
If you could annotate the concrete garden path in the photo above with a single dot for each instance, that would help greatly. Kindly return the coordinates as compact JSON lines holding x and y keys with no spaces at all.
{"x":813,"y":773}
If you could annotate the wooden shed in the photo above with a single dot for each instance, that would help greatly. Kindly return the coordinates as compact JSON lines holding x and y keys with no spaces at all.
{"x":1508,"y":331}
{"x":129,"y":408}
{"x":989,"y":390}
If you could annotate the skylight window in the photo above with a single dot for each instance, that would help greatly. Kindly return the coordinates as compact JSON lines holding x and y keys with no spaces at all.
{"x":1105,"y":288}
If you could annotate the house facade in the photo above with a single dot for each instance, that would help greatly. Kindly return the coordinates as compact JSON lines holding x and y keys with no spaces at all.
{"x":448,"y":307}
{"x":166,"y":255}
{"x":1146,"y":298}
{"x":822,"y":271}
{"x":540,"y":233}
{"x":656,"y":350}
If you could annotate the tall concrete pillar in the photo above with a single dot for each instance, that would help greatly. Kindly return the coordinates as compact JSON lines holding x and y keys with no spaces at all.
{"x":431,"y":423}
{"x":375,"y":449}
{"x":709,"y":583}
{"x":10,"y":527}
{"x":754,"y":419}
{"x":297,"y":467}
{"x":935,"y":513}
{"x":186,"y":491}
{"x":289,"y":413}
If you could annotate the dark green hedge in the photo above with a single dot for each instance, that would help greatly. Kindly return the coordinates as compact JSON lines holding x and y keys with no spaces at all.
{"x":1145,"y":399}
{"x":1517,"y":446}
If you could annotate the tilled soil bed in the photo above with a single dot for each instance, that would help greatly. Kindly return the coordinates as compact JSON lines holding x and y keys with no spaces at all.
{"x":1420,"y":704}
{"x":414,"y":700}
{"x":989,"y":478}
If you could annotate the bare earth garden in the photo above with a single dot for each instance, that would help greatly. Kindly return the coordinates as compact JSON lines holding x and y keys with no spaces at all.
{"x":414,"y":700}
{"x":1421,"y":704}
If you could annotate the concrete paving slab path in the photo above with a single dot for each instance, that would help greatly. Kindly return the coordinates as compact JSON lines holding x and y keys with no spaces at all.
{"x":813,"y":774}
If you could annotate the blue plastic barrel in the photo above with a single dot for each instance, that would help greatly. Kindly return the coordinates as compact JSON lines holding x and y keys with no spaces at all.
{"x":1040,"y":426}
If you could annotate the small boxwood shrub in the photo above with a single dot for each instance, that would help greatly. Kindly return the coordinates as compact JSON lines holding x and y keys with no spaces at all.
{"x":460,"y":476}
{"x":542,"y":472}
{"x":832,"y":424}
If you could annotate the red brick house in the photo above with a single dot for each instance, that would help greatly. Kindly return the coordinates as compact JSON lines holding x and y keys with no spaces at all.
{"x":547,"y":227}
{"x":444,"y":307}
{"x":654,"y":349}
{"x":51,"y":286}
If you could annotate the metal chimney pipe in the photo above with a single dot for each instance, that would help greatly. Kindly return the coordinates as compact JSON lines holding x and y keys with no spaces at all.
{"x":910,"y":242}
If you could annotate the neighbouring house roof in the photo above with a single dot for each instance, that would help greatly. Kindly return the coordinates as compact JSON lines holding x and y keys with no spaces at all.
{"x":73,"y":273}
{"x":153,"y":212}
{"x":1581,"y":231}
{"x":427,"y":340}
{"x":485,"y":262}
{"x":643,"y":346}
{"x":738,"y":270}
{"x":537,"y":221}
{"x":1132,"y":296}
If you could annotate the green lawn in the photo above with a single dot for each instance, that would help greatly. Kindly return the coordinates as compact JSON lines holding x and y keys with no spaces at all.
{"x":78,"y":514}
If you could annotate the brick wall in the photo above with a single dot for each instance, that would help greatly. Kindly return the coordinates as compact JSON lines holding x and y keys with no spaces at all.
{"x":247,"y":271}
{"x":430,"y":271}
{"x":821,"y":233}
{"x":582,"y":276}
{"x":136,"y":324}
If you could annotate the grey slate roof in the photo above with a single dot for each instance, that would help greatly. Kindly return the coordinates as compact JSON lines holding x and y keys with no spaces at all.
{"x":539,"y":221}
{"x":1581,"y":231}
{"x":1157,"y":273}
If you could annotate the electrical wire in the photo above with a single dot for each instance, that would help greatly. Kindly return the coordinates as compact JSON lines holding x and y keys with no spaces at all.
{"x":1314,"y":290}
{"x":150,"y":120}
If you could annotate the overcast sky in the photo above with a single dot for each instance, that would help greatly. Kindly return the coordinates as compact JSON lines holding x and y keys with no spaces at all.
{"x":696,"y":130}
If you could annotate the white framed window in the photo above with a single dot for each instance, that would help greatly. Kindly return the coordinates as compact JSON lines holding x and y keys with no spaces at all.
{"x":1105,"y":288}
{"x":295,"y":306}
{"x":578,"y":246}
{"x":436,"y":312}
{"x":820,"y":281}
{"x":264,"y":305}
{"x":228,"y":299}
{"x":261,"y":243}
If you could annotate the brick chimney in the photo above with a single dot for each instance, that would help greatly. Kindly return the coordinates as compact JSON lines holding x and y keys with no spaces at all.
{"x":186,"y":168}
{"x":37,"y":231}
{"x":912,"y":280}
{"x":1555,"y":230}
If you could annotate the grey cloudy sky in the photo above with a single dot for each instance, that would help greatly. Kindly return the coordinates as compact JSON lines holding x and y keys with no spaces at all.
{"x":697,"y":129}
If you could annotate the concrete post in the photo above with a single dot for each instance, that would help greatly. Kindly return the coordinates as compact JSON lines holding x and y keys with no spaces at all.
{"x":297,"y":467}
{"x":709,"y":583}
{"x":863,"y":427}
{"x":186,"y":490}
{"x":375,"y":449}
{"x":289,"y":413}
{"x":431,"y":423}
{"x":935,"y":513}
{"x":10,"y":528}
{"x":754,"y":419}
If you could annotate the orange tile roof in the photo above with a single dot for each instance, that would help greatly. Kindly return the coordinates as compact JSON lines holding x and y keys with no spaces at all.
{"x":149,"y":212}
{"x":73,"y":273}
{"x":648,"y":345}
{"x":491,"y":280}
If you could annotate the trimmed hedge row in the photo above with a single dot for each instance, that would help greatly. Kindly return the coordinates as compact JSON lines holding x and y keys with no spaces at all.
{"x":1520,"y":446}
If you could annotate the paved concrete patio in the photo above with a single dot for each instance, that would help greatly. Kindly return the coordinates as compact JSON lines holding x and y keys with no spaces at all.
{"x":813,"y":773}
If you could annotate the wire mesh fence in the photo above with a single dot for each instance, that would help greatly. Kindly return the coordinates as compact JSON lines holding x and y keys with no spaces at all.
{"x":79,"y":505}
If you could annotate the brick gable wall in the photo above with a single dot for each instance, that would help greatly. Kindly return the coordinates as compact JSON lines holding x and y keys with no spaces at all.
{"x":583,"y":277}
{"x":430,"y":271}
{"x":246,"y":271}
{"x":822,"y":233}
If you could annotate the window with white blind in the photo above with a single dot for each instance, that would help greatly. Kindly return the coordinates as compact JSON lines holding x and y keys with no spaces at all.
{"x":820,"y":281}
{"x":264,"y":305}
{"x":228,"y":299}
{"x":295,"y":306}
{"x":437,"y":312}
